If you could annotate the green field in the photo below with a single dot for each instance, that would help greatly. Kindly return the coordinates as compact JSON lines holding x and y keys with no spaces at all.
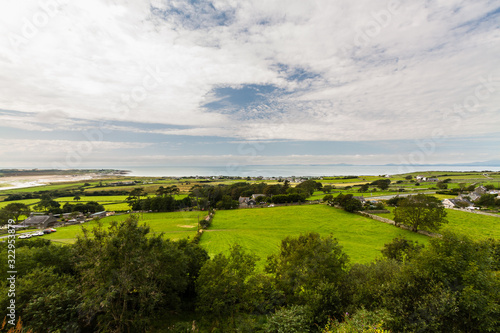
{"x":260,"y":230}
{"x":110,"y":203}
{"x":473,"y":225}
{"x":25,"y":201}
{"x":175,"y":225}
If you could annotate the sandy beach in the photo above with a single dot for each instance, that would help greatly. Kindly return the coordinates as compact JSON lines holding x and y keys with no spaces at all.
{"x":13,"y":182}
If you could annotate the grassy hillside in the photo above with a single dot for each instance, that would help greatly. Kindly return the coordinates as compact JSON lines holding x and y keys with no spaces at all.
{"x":261,"y":230}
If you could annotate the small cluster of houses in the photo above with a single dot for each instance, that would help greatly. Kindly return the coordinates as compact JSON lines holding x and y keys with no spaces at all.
{"x":127,"y":183}
{"x":425,"y":179}
{"x":467,"y":201}
{"x":291,"y":179}
{"x":51,"y":220}
{"x":250,"y":201}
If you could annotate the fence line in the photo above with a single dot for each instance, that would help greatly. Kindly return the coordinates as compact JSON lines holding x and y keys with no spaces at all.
{"x":475,"y":212}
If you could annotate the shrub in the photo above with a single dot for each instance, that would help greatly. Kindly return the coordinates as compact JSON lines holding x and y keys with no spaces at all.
{"x":362,"y":321}
{"x":288,"y":320}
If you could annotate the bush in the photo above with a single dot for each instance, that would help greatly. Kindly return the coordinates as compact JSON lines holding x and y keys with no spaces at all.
{"x":362,"y":321}
{"x":328,"y":198}
{"x":288,"y":320}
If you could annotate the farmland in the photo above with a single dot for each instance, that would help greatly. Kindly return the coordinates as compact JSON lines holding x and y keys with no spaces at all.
{"x":261,"y":230}
{"x":175,"y":226}
{"x":473,"y":225}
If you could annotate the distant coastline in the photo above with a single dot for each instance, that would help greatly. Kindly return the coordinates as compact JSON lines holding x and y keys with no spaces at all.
{"x":300,"y":170}
{"x":20,"y":178}
{"x":23,"y":178}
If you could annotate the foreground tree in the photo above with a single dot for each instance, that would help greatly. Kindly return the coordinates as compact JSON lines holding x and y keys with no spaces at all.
{"x":451,"y":286}
{"x":309,"y":270}
{"x":401,"y":249}
{"x":46,"y":287}
{"x":420,"y":211}
{"x":223,"y":284}
{"x":127,"y":275}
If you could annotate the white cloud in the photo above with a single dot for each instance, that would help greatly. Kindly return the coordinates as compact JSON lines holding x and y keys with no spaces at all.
{"x":43,"y":147}
{"x":383,"y":69}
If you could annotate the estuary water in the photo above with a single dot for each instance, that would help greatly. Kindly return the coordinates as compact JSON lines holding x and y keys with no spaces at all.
{"x":296,"y":170}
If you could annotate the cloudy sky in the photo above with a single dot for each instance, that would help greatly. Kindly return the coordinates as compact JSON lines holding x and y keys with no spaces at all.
{"x":96,"y":83}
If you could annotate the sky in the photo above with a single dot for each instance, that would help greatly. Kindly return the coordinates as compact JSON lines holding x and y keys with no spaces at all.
{"x":116,"y":84}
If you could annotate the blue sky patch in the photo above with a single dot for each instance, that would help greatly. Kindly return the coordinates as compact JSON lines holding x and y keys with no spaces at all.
{"x":193,"y":14}
{"x":239,"y":98}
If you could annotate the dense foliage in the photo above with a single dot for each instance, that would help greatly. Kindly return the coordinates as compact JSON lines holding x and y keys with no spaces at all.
{"x":348,"y":202}
{"x":124,"y":279}
{"x":221,"y":196}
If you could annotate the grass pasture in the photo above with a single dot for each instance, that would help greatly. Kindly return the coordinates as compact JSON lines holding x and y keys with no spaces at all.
{"x":260,"y":230}
{"x":27,"y":202}
{"x":473,"y":225}
{"x":111,"y":203}
{"x":176,"y":225}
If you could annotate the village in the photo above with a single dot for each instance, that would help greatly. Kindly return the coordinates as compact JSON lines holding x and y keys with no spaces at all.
{"x":468,"y":198}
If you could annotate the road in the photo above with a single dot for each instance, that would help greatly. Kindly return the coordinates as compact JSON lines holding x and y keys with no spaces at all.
{"x":386,"y":197}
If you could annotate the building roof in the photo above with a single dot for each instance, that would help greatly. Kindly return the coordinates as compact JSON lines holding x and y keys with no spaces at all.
{"x":481,"y":189}
{"x":39,"y":220}
{"x":458,"y":200}
{"x":243,"y":199}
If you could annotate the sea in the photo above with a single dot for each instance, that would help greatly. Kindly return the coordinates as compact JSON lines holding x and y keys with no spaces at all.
{"x":297,"y":170}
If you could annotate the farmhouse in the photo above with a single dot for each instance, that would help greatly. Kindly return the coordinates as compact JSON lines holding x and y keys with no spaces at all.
{"x":255,"y":196}
{"x":481,"y":190}
{"x":99,"y":214}
{"x":360,"y":199}
{"x":243,"y":200}
{"x":474,"y":196}
{"x":456,"y":203}
{"x":246,"y":202}
{"x":40,"y":221}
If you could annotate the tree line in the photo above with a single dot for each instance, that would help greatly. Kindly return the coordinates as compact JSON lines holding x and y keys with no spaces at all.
{"x":206,"y":197}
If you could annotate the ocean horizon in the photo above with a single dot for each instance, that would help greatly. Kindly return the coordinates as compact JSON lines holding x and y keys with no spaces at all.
{"x":297,"y":170}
